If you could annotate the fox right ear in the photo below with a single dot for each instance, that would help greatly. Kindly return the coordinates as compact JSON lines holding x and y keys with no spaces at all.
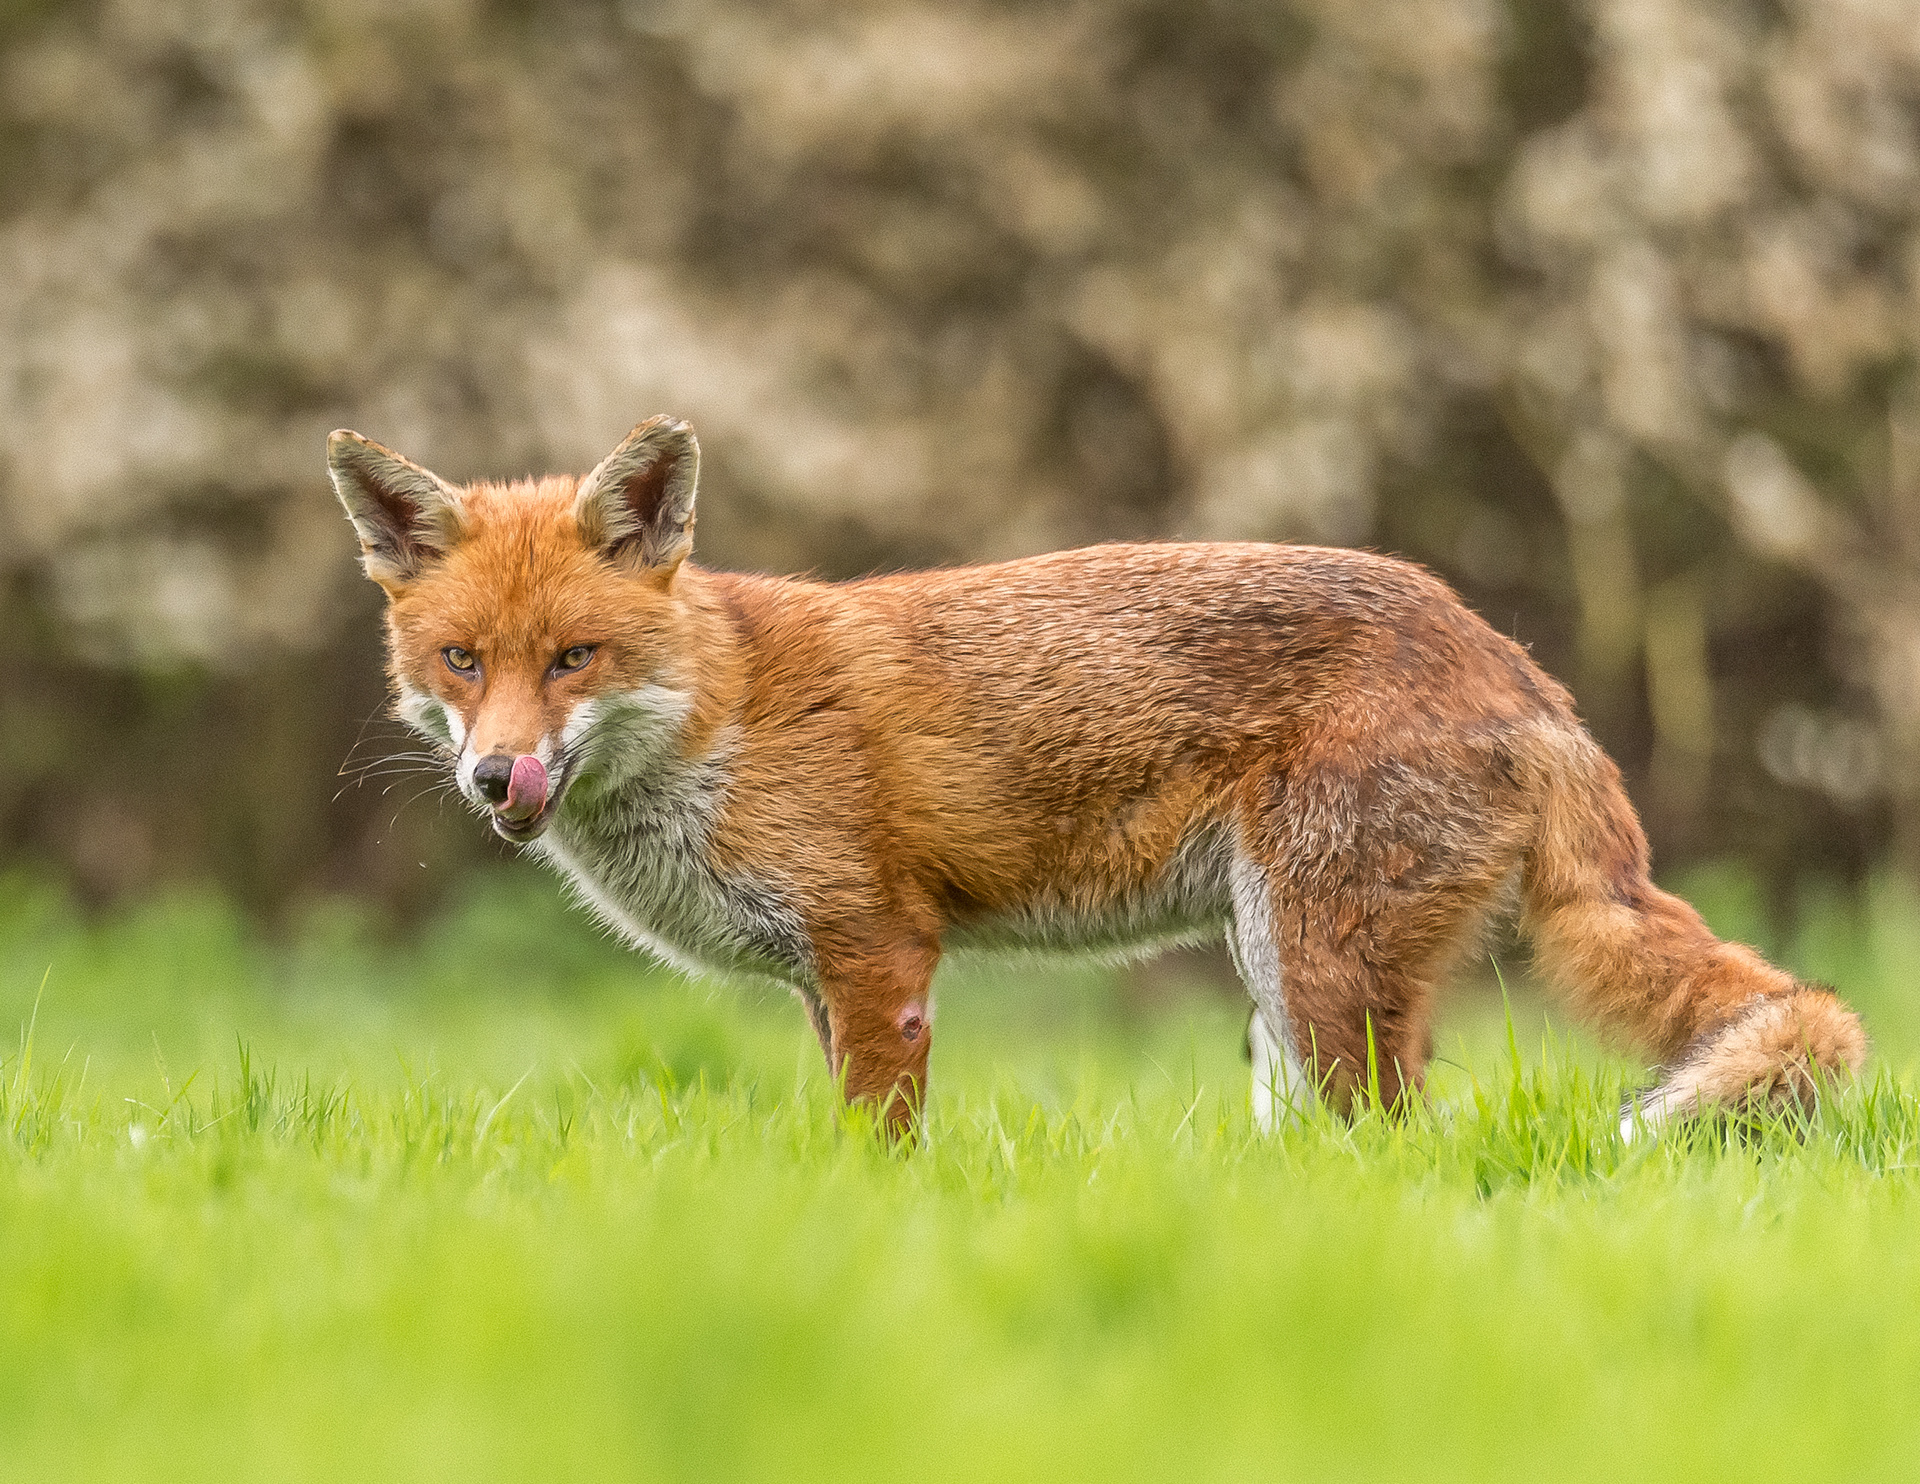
{"x":404,"y":515}
{"x":637,"y":504}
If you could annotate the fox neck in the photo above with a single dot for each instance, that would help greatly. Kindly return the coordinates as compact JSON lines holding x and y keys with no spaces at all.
{"x":634,"y":834}
{"x":710,"y":660}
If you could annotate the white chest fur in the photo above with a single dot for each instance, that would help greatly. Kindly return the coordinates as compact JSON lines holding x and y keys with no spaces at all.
{"x":637,"y":852}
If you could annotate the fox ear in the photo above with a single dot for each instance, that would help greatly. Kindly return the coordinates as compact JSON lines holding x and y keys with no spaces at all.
{"x":637,"y":504}
{"x":404,"y":515}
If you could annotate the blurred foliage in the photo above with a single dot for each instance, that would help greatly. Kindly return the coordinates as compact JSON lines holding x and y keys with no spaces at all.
{"x":1607,"y":309}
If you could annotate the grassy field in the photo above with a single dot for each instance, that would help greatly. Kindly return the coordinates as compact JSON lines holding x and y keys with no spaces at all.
{"x":502,"y":1203}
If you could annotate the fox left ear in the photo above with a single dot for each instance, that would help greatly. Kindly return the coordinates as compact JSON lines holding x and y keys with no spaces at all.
{"x":405,"y":516}
{"x":638,"y":502}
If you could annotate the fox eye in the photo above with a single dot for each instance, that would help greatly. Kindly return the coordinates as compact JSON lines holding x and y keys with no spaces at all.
{"x":573,"y":659}
{"x":459,"y":660}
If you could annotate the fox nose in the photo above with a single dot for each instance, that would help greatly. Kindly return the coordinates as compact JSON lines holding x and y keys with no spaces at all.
{"x":491,"y":776}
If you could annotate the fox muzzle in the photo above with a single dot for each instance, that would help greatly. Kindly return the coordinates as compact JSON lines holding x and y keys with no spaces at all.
{"x":516,"y":787}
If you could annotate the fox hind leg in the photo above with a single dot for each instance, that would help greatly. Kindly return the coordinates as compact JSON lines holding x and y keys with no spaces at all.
{"x":1280,"y":1085}
{"x":1328,"y":1016}
{"x":1280,"y":1082}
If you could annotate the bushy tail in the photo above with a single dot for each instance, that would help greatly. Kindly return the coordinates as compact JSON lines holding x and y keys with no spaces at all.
{"x":1729,"y":1029}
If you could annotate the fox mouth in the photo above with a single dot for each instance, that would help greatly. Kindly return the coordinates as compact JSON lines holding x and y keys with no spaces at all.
{"x":520,"y":831}
{"x":530,"y":803}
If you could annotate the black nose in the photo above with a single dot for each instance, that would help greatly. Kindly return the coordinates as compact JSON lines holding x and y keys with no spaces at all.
{"x":490,"y":776}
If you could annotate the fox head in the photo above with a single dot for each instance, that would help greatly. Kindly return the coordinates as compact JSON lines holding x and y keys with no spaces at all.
{"x":534,"y":629}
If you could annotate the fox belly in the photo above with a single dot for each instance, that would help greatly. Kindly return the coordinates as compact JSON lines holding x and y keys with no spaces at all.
{"x":640,"y":858}
{"x":1188,"y":900}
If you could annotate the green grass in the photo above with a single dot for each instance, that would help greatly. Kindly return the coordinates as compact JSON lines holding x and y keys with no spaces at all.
{"x":501,"y":1203}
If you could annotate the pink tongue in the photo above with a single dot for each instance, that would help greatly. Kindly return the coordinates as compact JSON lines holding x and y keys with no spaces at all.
{"x":527,"y":787}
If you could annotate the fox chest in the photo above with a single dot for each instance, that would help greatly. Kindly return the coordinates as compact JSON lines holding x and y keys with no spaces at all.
{"x":641,"y":863}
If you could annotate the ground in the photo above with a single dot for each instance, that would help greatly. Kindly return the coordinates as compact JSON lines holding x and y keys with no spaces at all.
{"x":495,"y":1201}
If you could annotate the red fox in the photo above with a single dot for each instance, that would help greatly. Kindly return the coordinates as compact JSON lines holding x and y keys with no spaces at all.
{"x":1321,"y":754}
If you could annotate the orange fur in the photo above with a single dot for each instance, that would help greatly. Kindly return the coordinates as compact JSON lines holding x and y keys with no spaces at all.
{"x":1320,"y":753}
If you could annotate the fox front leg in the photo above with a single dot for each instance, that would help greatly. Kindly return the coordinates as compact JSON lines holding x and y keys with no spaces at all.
{"x":879,"y":1013}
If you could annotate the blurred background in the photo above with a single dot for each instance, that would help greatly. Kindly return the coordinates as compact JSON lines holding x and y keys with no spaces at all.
{"x":1608,"y":310}
{"x":318,"y":1133}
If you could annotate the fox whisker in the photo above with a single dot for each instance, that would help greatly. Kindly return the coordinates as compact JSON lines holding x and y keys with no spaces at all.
{"x":440,"y":788}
